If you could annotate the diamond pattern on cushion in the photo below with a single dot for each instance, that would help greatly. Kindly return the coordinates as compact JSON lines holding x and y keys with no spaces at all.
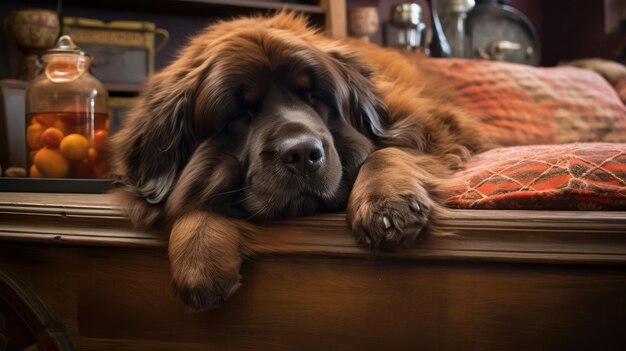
{"x":556,"y":177}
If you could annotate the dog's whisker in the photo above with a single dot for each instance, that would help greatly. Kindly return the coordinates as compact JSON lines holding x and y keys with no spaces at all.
{"x":263,"y":208}
{"x":243,"y":199}
{"x":215,"y":196}
{"x":232,"y":191}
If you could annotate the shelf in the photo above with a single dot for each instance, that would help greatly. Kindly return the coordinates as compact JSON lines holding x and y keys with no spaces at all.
{"x":566,"y":237}
{"x":56,"y":185}
{"x":124,"y":88}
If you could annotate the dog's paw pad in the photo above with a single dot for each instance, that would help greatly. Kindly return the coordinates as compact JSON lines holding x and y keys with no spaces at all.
{"x":208,"y":295}
{"x":392,"y":222}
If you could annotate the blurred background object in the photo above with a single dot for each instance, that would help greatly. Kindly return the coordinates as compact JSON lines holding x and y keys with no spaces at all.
{"x":499,"y":32}
{"x":33,"y":30}
{"x":123,"y":51}
{"x":12,"y":124}
{"x":566,"y":30}
{"x":363,"y":22}
{"x":439,"y":46}
{"x":453,"y":18}
{"x":406,"y":29}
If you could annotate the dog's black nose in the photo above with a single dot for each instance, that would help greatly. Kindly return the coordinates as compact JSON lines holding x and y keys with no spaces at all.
{"x":302,"y":155}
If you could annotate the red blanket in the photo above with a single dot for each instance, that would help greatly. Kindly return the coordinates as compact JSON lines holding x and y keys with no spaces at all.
{"x":525,"y":105}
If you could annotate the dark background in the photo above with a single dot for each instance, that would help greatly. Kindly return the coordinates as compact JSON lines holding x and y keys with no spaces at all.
{"x":566,"y":29}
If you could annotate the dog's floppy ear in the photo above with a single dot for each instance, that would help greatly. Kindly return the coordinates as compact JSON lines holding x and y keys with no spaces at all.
{"x":363,"y":105}
{"x":157,"y":137}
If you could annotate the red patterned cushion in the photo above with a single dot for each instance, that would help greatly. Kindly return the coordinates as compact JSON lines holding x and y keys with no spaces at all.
{"x":620,"y":87}
{"x":579,"y":176}
{"x":523,"y":105}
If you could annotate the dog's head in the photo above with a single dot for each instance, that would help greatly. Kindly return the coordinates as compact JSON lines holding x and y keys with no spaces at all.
{"x":257,"y":117}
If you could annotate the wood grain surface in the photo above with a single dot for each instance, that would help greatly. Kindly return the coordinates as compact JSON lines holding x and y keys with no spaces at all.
{"x":493,"y":235}
{"x":120,"y":299}
{"x":507,"y":280}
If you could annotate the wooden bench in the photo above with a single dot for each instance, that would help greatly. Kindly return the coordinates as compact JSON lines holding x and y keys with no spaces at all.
{"x":509,"y":280}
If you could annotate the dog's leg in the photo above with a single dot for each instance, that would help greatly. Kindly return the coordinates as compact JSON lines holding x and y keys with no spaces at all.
{"x":395,"y":196}
{"x":205,"y":251}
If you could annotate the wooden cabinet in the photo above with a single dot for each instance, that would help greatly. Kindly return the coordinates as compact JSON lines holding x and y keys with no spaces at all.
{"x":508,"y":280}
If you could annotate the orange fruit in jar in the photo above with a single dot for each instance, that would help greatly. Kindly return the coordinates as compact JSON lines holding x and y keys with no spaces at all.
{"x":60,"y":126}
{"x":33,"y":136}
{"x":92,"y":155}
{"x":100,"y":139}
{"x":46,"y":119}
{"x":74,"y":147}
{"x":34,"y":172}
{"x":52,"y":137}
{"x":51,"y":163}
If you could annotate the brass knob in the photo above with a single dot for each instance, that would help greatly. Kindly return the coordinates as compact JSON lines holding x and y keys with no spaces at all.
{"x":497,"y":49}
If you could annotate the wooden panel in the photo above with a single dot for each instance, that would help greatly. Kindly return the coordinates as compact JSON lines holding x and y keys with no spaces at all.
{"x":310,"y":287}
{"x":515,"y":236}
{"x":116,"y":298}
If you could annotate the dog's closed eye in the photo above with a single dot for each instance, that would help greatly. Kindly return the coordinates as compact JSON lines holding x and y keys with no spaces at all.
{"x":239,"y":124}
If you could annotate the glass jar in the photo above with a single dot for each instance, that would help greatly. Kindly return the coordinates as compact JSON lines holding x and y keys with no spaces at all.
{"x":67,"y":121}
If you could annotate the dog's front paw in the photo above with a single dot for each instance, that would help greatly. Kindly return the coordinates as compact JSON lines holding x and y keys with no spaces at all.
{"x":207,"y":290}
{"x":389,"y":222}
{"x":204,"y":252}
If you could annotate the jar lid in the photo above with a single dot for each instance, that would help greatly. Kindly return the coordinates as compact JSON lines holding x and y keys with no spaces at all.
{"x":65,"y":45}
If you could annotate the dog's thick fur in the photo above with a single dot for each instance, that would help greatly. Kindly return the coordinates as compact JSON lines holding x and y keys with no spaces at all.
{"x":202,"y":152}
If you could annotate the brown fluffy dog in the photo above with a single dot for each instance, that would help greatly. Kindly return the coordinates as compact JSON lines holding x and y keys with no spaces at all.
{"x":261,"y":118}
